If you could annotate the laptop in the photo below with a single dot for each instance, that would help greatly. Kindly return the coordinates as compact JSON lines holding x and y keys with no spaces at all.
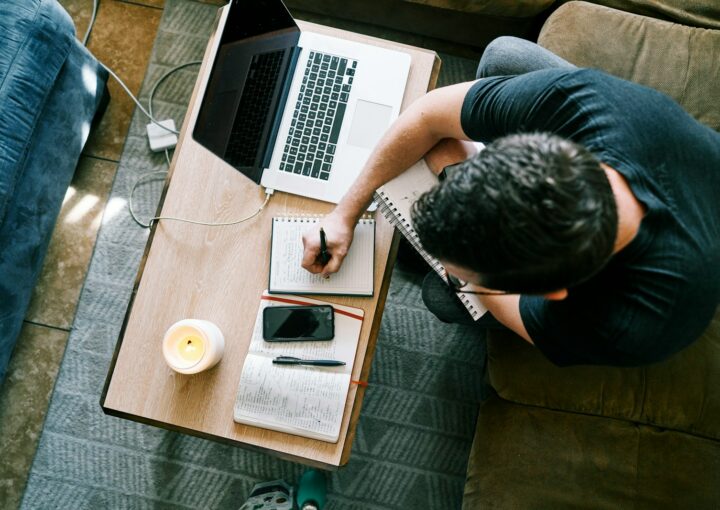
{"x":296,"y":111}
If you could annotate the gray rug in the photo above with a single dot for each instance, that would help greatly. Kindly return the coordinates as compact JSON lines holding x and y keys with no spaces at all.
{"x":419,"y":413}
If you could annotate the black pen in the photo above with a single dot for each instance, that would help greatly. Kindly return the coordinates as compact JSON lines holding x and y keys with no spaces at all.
{"x":290,"y":360}
{"x":324,"y":255}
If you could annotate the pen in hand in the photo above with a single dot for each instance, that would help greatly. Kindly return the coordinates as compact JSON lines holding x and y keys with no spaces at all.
{"x":324,"y":255}
{"x":290,"y":360}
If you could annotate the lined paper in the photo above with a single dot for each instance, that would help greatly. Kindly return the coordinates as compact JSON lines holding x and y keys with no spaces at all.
{"x":287,"y":275}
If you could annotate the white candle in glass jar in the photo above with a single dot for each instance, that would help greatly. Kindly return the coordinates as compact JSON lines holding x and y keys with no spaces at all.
{"x":193,"y":345}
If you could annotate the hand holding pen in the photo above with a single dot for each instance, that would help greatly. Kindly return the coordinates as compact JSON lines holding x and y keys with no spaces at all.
{"x":326,"y":245}
{"x":324,"y":255}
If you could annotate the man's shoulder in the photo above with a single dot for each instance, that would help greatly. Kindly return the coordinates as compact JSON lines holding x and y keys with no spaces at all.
{"x":541,"y":84}
{"x":573,"y":77}
{"x":544,"y":89}
{"x":501,"y":105}
{"x":542,"y":78}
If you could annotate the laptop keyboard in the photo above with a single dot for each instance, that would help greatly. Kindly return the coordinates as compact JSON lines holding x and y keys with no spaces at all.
{"x":254,"y":108}
{"x":319,"y":111}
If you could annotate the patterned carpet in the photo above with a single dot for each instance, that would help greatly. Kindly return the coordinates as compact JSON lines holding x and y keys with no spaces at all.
{"x":419,"y":413}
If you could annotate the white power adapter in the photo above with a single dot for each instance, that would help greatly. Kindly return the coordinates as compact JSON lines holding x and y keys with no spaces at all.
{"x":161,"y":139}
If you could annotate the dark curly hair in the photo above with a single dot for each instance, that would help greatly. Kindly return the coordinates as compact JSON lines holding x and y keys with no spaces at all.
{"x":532,"y":213}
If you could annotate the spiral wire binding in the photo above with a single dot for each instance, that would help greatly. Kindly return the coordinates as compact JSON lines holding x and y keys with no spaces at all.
{"x":388,"y":209}
{"x":313,"y":218}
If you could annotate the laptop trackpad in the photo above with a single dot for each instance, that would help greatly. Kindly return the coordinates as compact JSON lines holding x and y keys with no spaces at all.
{"x":369,"y":123}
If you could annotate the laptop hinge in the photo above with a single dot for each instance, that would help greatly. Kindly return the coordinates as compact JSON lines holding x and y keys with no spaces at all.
{"x":275,"y":126}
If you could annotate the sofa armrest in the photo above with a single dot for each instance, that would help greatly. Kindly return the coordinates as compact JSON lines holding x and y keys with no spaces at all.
{"x":696,"y":13}
{"x":681,"y":393}
{"x":675,"y":59}
{"x":50,"y":90}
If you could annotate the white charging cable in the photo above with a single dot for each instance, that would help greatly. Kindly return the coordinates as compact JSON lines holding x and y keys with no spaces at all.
{"x":132,"y":96}
{"x":268,"y":194}
{"x":157,"y":84}
{"x":149,"y":114}
{"x":92,"y":22}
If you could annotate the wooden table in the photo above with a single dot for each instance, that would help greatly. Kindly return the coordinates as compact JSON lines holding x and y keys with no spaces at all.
{"x":218,"y":274}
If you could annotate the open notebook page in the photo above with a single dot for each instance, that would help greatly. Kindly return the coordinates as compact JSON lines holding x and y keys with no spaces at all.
{"x":301,"y":400}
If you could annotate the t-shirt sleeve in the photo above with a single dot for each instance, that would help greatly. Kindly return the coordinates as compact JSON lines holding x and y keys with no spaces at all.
{"x":574,"y":335}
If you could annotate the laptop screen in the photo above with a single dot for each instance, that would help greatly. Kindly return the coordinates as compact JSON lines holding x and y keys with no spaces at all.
{"x":252,"y":18}
{"x":249,"y":78}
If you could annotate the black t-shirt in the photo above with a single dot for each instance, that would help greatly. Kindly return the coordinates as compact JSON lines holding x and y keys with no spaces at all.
{"x":659,"y":293}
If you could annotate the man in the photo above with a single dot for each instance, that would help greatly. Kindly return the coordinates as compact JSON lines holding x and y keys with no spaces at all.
{"x":590,"y":225}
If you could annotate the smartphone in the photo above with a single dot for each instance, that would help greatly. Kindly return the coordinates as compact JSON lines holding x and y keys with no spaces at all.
{"x":295,"y":323}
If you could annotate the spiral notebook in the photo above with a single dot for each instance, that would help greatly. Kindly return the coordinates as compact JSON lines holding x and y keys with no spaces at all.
{"x":395,"y":200}
{"x":355,"y":277}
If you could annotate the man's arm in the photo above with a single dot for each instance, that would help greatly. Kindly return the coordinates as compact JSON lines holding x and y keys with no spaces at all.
{"x":418,"y":129}
{"x":506,"y":309}
{"x":427,"y":121}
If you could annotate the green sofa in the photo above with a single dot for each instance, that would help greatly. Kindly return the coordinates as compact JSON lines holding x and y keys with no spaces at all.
{"x":595,"y":437}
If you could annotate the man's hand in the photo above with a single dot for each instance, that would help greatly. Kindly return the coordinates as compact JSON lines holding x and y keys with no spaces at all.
{"x":338,"y":236}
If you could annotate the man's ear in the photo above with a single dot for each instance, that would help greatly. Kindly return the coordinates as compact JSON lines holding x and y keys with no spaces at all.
{"x":557,"y":295}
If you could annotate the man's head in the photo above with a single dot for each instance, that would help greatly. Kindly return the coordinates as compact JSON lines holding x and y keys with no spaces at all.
{"x":531,"y":213}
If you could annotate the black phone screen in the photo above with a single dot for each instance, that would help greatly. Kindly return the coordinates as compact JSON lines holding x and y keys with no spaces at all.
{"x":292,"y":323}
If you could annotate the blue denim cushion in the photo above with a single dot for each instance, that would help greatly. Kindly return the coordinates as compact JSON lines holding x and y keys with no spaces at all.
{"x":50,"y":88}
{"x":34,"y":43}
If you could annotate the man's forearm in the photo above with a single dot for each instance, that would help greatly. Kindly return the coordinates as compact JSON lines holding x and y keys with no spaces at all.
{"x":427,"y":121}
{"x":403,"y":145}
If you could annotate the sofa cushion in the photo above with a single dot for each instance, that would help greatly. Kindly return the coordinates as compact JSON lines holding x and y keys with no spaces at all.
{"x":34,"y":43}
{"x":677,"y":60}
{"x":528,"y":457}
{"x":697,"y":13}
{"x":681,"y":393}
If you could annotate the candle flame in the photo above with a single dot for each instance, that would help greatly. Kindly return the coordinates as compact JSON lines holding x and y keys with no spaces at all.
{"x":190,"y":348}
